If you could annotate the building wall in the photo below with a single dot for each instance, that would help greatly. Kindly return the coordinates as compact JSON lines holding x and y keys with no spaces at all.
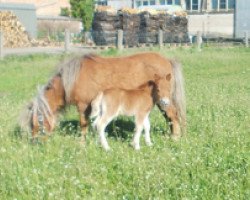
{"x":242,"y":18}
{"x":26,"y":14}
{"x":212,"y":24}
{"x":44,"y":7}
{"x":118,"y":4}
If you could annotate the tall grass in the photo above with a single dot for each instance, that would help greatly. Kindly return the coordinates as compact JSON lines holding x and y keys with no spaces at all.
{"x":210,"y":162}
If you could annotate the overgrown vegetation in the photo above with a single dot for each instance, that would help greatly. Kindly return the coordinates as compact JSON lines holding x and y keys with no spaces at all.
{"x":210,"y":162}
{"x":83,"y":9}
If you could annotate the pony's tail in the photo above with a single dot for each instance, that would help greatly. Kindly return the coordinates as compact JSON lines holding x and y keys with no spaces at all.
{"x":178,"y":94}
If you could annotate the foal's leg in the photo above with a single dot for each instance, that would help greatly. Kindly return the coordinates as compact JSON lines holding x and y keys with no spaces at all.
{"x":139,"y":127}
{"x":171,"y":116}
{"x":146,"y":125}
{"x":101,"y":125}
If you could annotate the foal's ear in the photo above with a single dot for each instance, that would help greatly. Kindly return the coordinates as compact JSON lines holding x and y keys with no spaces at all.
{"x":168,"y":77}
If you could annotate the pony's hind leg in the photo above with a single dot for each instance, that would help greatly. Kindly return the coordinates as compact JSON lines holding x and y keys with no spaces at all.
{"x":146,"y":125}
{"x":84,"y":112}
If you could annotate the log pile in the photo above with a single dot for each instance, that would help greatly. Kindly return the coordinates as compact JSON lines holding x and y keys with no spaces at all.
{"x":13,"y":31}
{"x":149,"y":27}
{"x":139,"y":26}
{"x":105,"y":24}
{"x":130,"y":24}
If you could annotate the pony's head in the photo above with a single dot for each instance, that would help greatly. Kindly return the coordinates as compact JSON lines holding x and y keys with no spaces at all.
{"x":163,"y":89}
{"x":40,"y":114}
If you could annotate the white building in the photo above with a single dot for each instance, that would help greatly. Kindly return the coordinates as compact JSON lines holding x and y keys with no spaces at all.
{"x":188,"y":5}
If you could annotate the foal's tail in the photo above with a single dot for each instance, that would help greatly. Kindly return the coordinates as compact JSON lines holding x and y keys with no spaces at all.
{"x":178,"y":93}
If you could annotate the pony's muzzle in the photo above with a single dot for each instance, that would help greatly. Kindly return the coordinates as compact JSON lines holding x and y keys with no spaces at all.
{"x":164,"y":103}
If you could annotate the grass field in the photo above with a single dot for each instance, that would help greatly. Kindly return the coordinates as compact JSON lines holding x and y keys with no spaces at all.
{"x":211,"y":162}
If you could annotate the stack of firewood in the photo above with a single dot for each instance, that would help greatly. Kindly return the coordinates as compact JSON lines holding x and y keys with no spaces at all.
{"x":149,"y":27}
{"x":175,"y":29}
{"x":13,"y":31}
{"x":105,"y":24}
{"x":138,"y":26}
{"x":130,"y":24}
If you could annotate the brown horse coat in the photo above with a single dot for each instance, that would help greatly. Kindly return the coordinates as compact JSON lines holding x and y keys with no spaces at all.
{"x":98,"y":74}
{"x":79,"y":80}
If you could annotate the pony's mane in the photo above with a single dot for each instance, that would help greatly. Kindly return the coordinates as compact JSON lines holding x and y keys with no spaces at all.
{"x":69,"y":70}
{"x":39,"y":105}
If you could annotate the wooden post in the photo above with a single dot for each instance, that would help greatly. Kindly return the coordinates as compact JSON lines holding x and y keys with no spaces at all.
{"x":199,"y":40}
{"x":1,"y":46}
{"x":120,"y":40}
{"x":67,"y":40}
{"x":246,"y":39}
{"x":160,"y":38}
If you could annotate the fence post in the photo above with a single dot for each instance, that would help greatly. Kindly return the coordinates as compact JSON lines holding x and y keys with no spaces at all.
{"x":1,"y":46}
{"x":160,"y":38}
{"x":199,"y":40}
{"x":67,"y":40}
{"x":246,"y":39}
{"x":120,"y":40}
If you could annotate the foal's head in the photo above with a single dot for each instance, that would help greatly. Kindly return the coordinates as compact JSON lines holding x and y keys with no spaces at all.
{"x":40,"y":115}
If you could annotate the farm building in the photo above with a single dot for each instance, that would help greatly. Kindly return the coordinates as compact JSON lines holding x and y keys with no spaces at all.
{"x":188,"y":5}
{"x":43,"y":7}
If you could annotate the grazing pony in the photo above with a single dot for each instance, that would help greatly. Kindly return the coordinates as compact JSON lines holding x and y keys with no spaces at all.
{"x":79,"y":80}
{"x":138,"y":103}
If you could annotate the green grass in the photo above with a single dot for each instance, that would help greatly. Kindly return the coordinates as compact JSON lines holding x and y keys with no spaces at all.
{"x":211,"y":162}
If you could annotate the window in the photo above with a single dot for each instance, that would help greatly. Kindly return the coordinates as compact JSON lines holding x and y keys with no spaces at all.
{"x":162,"y":2}
{"x":152,"y":2}
{"x":169,"y":2}
{"x":102,"y":2}
{"x":138,"y":3}
{"x":195,"y":5}
{"x":145,"y":3}
{"x":177,"y":2}
{"x":231,"y":4}
{"x":188,"y":4}
{"x":222,"y":4}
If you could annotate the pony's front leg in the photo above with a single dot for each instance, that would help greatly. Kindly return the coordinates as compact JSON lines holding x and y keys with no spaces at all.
{"x":171,"y":116}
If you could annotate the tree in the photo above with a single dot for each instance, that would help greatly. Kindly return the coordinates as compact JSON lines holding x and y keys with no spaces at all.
{"x":83,"y":9}
{"x":65,"y":12}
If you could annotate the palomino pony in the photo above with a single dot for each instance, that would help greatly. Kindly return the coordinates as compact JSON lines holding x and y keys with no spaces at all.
{"x":138,"y":103}
{"x":79,"y":80}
